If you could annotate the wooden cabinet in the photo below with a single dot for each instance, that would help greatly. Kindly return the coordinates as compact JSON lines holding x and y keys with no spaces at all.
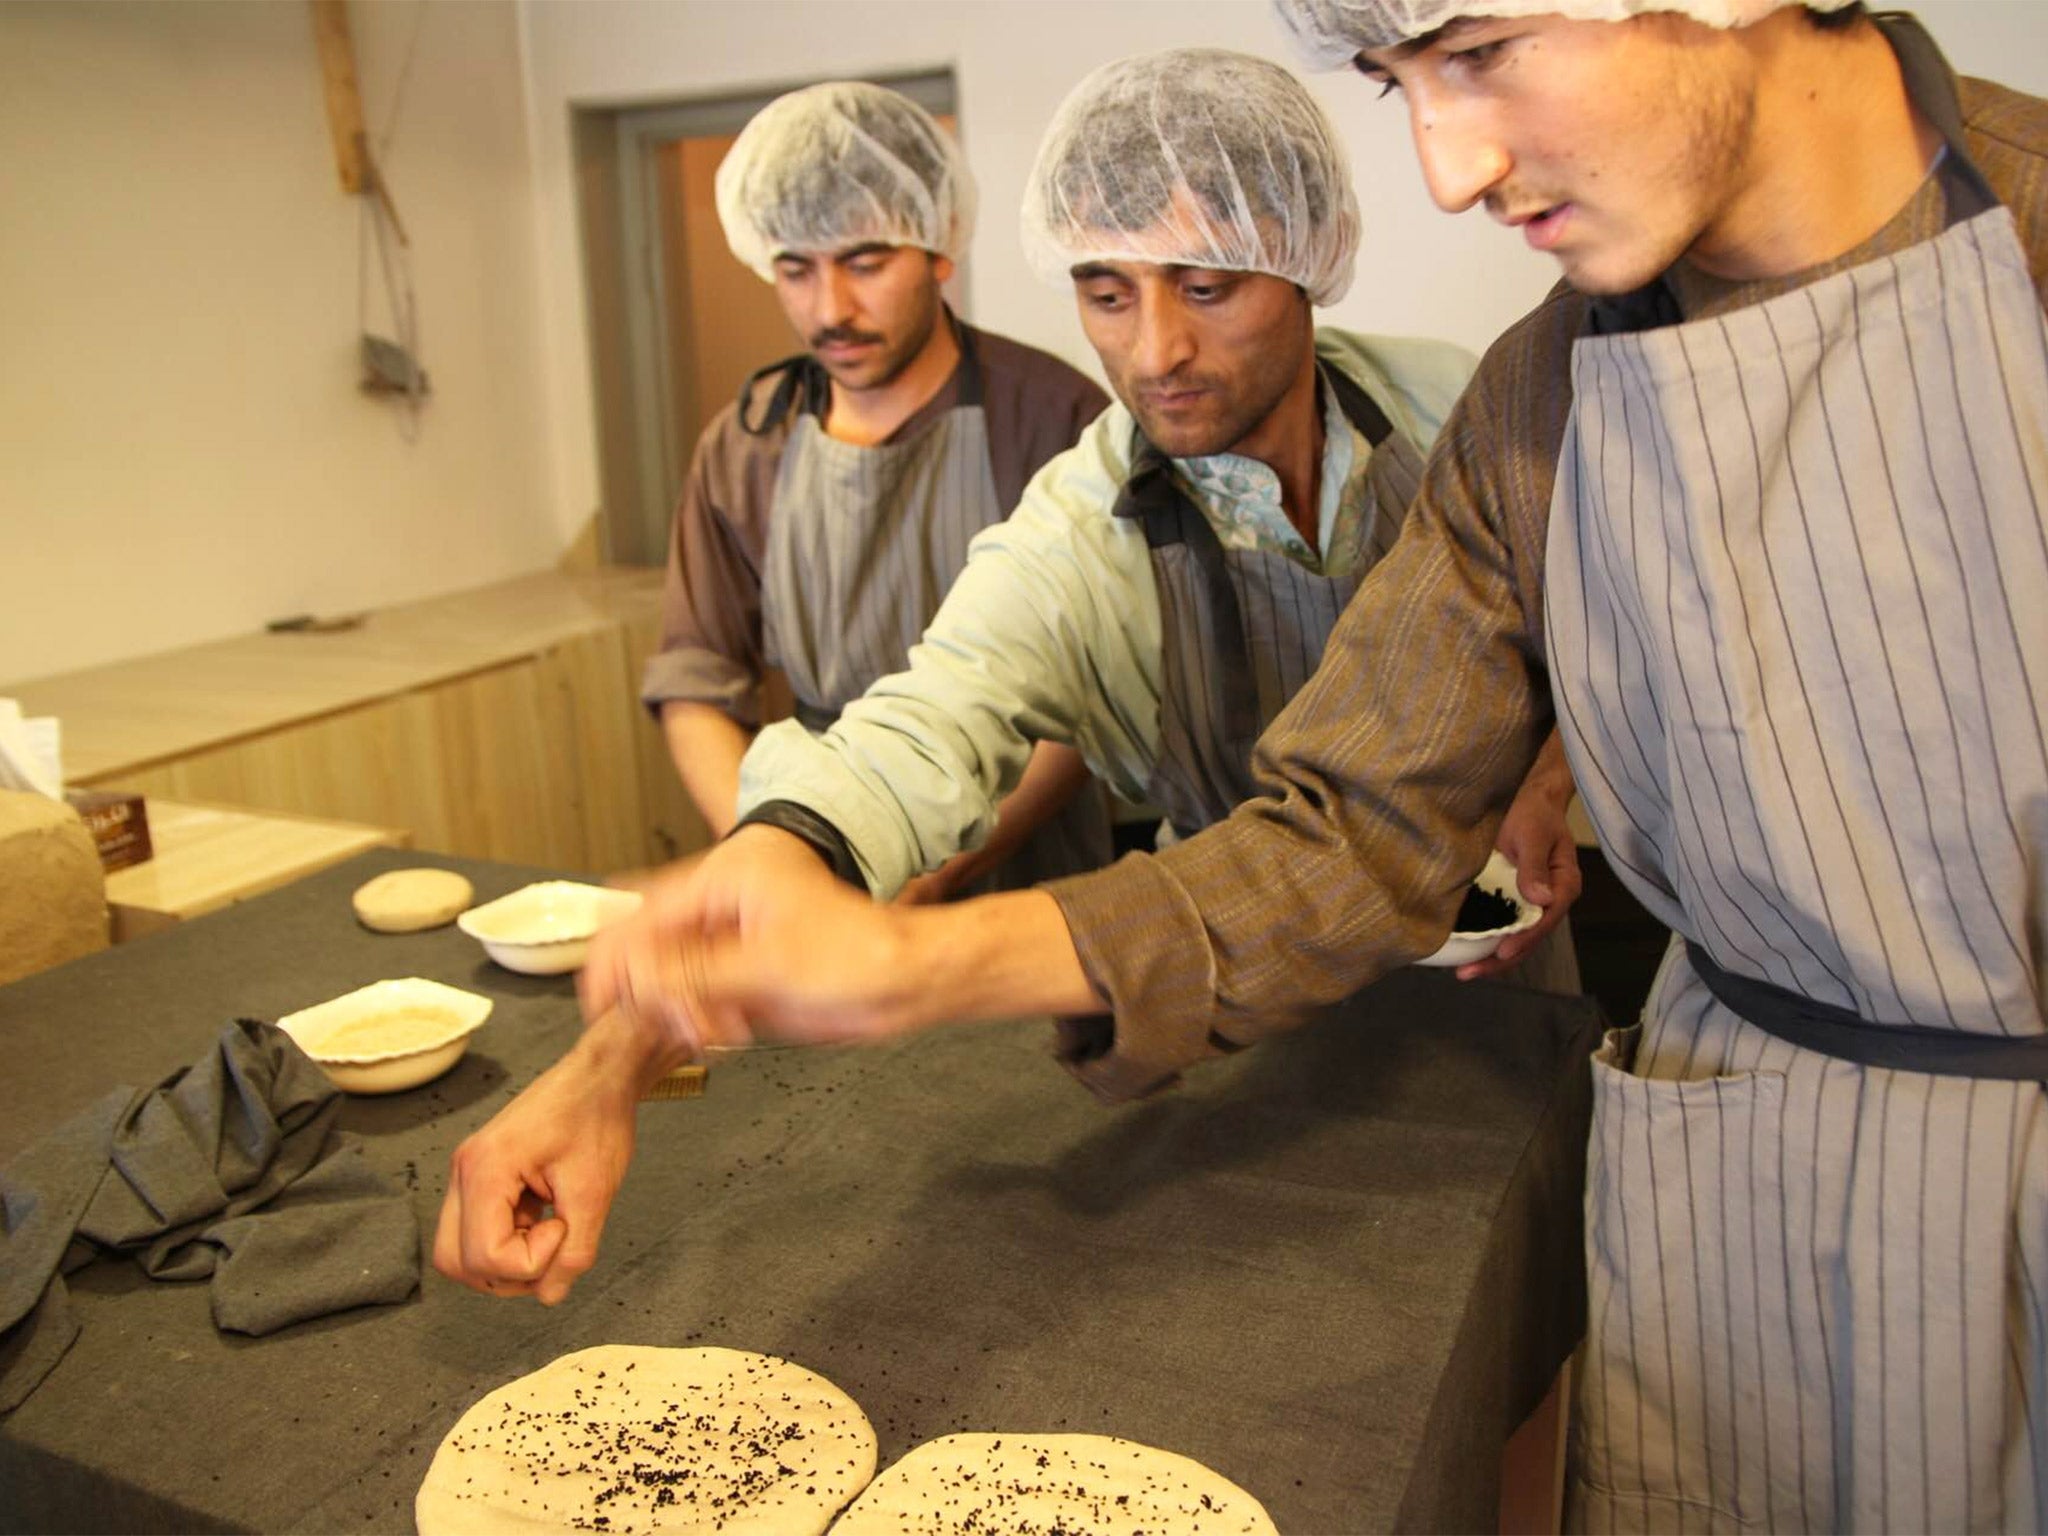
{"x":502,"y":723}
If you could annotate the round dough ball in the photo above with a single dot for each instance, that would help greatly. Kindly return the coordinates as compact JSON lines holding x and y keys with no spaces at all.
{"x":1028,"y":1485}
{"x":407,"y":900}
{"x":627,"y":1439}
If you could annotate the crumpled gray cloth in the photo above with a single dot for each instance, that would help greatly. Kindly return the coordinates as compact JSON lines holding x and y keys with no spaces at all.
{"x":231,"y":1167}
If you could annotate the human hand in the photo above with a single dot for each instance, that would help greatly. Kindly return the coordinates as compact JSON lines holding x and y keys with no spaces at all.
{"x":951,"y":878}
{"x":1536,"y":839}
{"x":757,"y":936}
{"x":529,"y":1192}
{"x":926,"y":890}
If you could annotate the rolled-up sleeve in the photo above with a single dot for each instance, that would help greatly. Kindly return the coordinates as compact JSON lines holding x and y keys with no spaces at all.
{"x":711,"y":649}
{"x":1382,"y":783}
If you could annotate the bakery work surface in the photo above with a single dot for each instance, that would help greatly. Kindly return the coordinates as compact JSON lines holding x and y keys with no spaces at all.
{"x":1337,"y":1268}
{"x":211,"y":856}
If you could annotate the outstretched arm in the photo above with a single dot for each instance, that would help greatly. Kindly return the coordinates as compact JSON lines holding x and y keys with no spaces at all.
{"x":759,"y":940}
{"x":529,"y":1192}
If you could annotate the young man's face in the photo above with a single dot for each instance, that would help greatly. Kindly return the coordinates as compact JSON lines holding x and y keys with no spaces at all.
{"x":1613,"y":146}
{"x":865,"y":312}
{"x":1200,"y":357}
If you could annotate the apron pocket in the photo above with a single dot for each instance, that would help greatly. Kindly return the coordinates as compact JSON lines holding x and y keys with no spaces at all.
{"x":1689,"y":1296}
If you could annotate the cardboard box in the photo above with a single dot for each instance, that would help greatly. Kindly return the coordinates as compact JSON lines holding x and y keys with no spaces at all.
{"x":119,"y":824}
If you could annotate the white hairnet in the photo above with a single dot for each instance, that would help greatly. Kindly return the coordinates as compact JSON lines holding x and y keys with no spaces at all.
{"x":1194,"y":157}
{"x":842,"y":164}
{"x":1327,"y":34}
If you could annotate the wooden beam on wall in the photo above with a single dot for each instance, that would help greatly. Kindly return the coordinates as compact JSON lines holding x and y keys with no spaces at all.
{"x":344,"y":102}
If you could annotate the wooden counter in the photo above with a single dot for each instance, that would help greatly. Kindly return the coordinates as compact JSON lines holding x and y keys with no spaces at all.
{"x":212,"y":856}
{"x":498,"y":723}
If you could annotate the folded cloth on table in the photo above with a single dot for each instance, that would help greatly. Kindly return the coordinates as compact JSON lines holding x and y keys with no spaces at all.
{"x":231,"y":1167}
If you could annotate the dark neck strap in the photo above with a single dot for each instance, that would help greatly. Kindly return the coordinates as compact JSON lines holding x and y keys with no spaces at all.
{"x":1359,"y":408}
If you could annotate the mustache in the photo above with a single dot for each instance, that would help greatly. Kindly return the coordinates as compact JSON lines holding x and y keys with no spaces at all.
{"x":1173,"y":383}
{"x":841,"y":335}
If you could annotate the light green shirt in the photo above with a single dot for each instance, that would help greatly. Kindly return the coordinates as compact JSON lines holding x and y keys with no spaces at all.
{"x":1052,"y":630}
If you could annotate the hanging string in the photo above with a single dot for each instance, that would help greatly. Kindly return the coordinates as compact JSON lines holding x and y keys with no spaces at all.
{"x":377,"y":222}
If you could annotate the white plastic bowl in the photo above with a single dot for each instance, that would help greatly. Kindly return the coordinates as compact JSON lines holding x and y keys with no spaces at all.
{"x":390,"y":1035}
{"x":1464,"y":948}
{"x":545,"y":929}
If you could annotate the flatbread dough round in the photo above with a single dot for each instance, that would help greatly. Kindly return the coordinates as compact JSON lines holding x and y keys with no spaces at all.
{"x":1036,"y":1485}
{"x":408,"y":900}
{"x":627,"y":1439}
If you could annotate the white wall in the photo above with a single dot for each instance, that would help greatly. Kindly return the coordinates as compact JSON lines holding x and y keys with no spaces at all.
{"x":1420,"y":272}
{"x":1013,"y":61}
{"x":183,"y":452}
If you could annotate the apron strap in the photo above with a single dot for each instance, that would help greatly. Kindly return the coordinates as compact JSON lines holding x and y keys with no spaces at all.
{"x":1359,"y":408}
{"x":814,"y":718}
{"x":1649,"y":308}
{"x":1169,"y":516}
{"x":803,"y":386}
{"x":969,"y":394}
{"x":1816,"y":1026}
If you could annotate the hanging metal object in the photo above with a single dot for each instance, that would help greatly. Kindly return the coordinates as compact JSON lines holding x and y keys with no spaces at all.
{"x":390,"y":366}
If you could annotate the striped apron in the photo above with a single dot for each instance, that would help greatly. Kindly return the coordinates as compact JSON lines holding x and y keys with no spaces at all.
{"x":862,"y":547}
{"x":1244,"y":629}
{"x":1797,"y":601}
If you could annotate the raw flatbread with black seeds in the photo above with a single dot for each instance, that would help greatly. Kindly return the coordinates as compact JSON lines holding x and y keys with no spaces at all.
{"x":1039,"y":1485}
{"x":627,"y":1439}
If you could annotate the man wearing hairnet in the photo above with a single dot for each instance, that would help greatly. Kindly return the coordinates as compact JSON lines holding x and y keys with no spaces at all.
{"x":1163,"y":590}
{"x":1158,"y":594}
{"x":827,"y":511}
{"x":1752,"y":506}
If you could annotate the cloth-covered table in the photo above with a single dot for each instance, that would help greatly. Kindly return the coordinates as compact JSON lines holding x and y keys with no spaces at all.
{"x":1338,"y":1268}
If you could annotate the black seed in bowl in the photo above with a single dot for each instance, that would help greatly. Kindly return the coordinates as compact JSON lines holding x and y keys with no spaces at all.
{"x":1482,"y":912}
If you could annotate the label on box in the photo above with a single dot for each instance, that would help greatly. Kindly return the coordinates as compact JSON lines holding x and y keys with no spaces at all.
{"x":119,"y":824}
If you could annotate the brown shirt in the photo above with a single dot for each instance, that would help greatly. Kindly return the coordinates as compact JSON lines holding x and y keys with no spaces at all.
{"x":711,"y":645}
{"x":1385,"y":779}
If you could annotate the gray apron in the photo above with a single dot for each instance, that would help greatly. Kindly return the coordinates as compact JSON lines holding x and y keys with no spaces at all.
{"x":862,"y":547}
{"x":1797,"y":598}
{"x":1244,"y":629}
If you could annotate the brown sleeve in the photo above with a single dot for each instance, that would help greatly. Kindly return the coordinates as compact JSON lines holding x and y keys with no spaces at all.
{"x":711,"y":646}
{"x":1382,"y":782}
{"x":2008,"y":138}
{"x":1036,"y":406}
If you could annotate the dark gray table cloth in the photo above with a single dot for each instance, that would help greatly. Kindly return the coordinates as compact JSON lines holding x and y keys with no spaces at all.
{"x":230,"y":1170}
{"x":1337,"y":1268}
